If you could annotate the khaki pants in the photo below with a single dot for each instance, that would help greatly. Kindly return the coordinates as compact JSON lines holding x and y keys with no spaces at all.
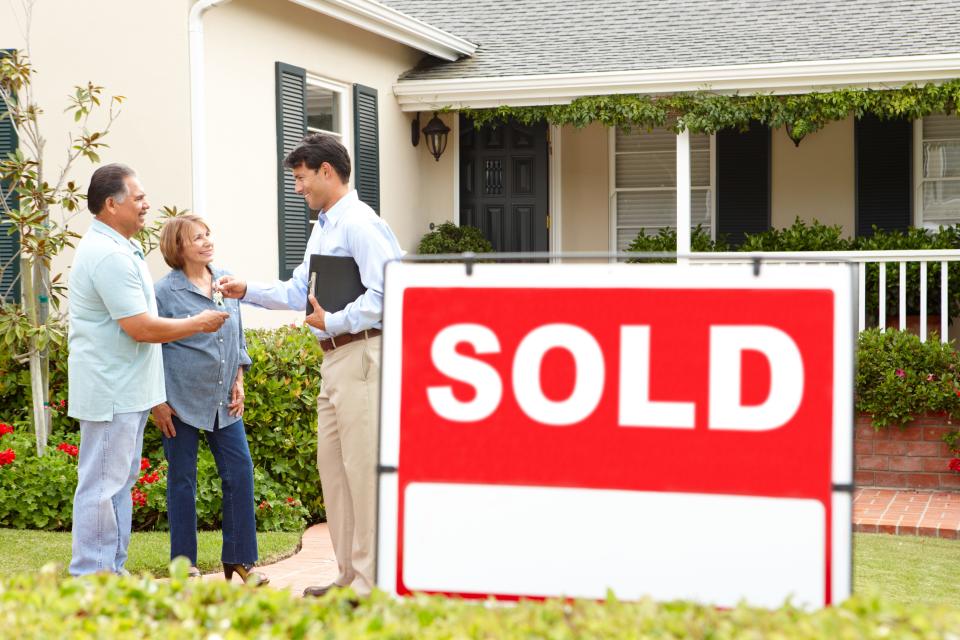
{"x":347,"y":413}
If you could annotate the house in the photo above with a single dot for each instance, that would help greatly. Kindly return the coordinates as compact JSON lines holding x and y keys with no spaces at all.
{"x":218,"y":90}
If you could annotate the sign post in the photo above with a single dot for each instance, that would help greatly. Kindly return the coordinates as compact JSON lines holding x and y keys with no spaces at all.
{"x":565,"y":430}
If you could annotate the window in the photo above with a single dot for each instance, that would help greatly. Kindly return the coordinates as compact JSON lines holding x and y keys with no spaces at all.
{"x":325,"y":107}
{"x":645,"y":182}
{"x":939,"y":189}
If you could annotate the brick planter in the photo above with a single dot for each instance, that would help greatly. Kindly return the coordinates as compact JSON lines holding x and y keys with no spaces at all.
{"x":911,"y":457}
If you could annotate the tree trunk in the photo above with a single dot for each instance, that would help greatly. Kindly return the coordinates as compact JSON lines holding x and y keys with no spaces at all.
{"x":38,"y":390}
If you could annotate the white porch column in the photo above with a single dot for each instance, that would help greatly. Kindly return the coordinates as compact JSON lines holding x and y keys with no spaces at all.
{"x":683,"y":194}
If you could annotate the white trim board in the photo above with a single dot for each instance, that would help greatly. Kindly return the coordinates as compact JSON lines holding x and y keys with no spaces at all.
{"x":778,"y":78}
{"x":393,"y":25}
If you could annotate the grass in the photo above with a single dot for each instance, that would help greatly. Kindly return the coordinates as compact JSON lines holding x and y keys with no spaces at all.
{"x":907,"y":568}
{"x":27,"y":551}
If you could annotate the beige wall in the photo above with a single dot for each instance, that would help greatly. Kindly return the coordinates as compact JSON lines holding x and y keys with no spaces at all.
{"x":816,"y":179}
{"x":438,"y":179}
{"x":585,"y":188}
{"x":134,"y":48}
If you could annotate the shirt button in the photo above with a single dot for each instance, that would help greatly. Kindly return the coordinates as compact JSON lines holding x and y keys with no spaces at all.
{"x":223,"y":361}
{"x":221,"y":339}
{"x":221,"y":404}
{"x":221,"y":382}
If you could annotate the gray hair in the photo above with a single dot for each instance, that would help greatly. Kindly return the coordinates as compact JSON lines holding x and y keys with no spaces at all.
{"x":109,"y":181}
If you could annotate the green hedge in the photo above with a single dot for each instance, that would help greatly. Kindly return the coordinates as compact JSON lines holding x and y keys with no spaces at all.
{"x":816,"y":236}
{"x":280,"y":419}
{"x":44,"y":606}
{"x":450,"y":238}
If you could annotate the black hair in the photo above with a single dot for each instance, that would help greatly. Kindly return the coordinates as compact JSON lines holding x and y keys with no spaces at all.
{"x":109,"y":181}
{"x":318,"y":148}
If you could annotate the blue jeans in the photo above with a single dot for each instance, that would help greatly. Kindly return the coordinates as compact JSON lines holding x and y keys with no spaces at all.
{"x":232,"y":455}
{"x":108,"y":467}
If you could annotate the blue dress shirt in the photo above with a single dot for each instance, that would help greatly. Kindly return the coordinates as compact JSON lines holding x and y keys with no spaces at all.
{"x":349,"y":228}
{"x":200,"y":370}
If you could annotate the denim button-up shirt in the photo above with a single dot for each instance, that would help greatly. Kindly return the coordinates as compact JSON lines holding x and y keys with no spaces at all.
{"x":200,"y":370}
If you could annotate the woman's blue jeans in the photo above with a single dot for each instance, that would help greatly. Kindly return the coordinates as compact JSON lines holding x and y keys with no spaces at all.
{"x":232,"y":455}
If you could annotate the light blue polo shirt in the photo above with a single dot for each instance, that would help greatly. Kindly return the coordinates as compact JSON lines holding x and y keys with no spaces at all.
{"x":109,"y":371}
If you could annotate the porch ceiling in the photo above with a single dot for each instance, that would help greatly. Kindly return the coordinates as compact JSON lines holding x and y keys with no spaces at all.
{"x":551,"y":51}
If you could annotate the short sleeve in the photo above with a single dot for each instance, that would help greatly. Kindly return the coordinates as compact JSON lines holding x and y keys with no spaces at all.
{"x":119,"y":284}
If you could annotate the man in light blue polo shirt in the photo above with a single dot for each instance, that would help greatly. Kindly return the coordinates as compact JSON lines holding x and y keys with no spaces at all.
{"x":115,"y":366}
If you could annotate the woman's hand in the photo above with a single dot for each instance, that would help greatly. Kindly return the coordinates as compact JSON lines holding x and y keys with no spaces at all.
{"x":163,"y":416}
{"x":235,"y":408}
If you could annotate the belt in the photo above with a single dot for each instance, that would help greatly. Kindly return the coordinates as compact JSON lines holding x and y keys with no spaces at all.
{"x":329,"y":344}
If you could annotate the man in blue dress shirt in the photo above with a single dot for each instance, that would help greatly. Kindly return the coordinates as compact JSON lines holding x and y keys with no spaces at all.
{"x":348,"y":401}
{"x":115,"y":367}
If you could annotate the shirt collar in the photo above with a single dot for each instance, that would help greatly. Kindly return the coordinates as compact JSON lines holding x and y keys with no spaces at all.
{"x":179,"y":280}
{"x":338,"y":210}
{"x":113,"y":234}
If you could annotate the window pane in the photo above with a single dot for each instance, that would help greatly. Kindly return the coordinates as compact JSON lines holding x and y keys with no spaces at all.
{"x":941,"y":202}
{"x":941,"y":159}
{"x":645,"y":170}
{"x":323,"y":109}
{"x":937,"y":127}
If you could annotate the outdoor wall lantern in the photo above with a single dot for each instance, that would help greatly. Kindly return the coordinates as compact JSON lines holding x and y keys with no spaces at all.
{"x":436,"y":136}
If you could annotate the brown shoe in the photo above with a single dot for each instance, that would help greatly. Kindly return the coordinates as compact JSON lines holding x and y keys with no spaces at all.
{"x":246,"y":573}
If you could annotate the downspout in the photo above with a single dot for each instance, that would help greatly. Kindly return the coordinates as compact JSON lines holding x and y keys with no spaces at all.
{"x":198,"y":130}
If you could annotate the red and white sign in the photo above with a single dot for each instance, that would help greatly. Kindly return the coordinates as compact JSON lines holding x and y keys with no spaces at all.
{"x":672,"y":431}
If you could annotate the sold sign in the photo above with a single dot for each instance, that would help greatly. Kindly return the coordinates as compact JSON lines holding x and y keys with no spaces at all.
{"x":559,"y":430}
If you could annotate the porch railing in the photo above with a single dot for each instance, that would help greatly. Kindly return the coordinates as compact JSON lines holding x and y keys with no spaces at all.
{"x":936,"y":259}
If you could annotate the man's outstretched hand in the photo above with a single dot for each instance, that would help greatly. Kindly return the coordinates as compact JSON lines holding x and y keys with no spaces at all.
{"x":232,"y":287}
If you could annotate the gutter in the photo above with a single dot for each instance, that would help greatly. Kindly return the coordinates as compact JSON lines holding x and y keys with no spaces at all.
{"x":198,"y":129}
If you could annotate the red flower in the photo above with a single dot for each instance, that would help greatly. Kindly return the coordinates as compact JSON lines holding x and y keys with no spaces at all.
{"x":5,"y":429}
{"x":930,"y":377}
{"x":139,"y":497}
{"x":900,"y":373}
{"x":69,"y":449}
{"x":144,"y":464}
{"x":149,"y":478}
{"x":955,"y":465}
{"x":290,"y":500}
{"x":264,"y":505}
{"x":7,"y":457}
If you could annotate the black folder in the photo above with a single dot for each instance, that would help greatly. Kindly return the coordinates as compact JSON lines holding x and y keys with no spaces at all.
{"x":336,"y":282}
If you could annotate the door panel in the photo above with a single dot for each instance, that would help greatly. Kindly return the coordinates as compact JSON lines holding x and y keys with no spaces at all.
{"x":503,"y":184}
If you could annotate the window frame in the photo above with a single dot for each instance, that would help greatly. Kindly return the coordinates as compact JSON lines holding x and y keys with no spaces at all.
{"x":918,"y":179}
{"x":614,"y":191}
{"x":342,"y":92}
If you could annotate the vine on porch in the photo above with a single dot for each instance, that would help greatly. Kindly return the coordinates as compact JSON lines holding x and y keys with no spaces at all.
{"x":706,"y":112}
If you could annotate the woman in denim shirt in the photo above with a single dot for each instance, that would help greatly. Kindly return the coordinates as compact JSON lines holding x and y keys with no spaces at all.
{"x":204,"y":380}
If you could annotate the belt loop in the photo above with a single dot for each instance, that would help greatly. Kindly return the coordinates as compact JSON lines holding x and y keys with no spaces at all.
{"x":365,"y":334}
{"x":333,"y":341}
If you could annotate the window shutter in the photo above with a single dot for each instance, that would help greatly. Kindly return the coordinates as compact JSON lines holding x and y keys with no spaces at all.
{"x":9,"y":244}
{"x":883,"y":151}
{"x":293,"y":217}
{"x":743,"y":182}
{"x":366,"y":153}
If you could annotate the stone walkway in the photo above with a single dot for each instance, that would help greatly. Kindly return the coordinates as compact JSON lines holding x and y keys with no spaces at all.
{"x":917,"y":513}
{"x":913,"y":513}
{"x":314,"y":564}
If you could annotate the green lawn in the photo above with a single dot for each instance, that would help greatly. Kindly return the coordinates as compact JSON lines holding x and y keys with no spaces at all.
{"x":27,"y":551}
{"x":907,"y":568}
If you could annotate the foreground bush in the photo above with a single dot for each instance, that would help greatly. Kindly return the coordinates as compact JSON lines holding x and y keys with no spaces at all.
{"x":110,"y":607}
{"x":281,"y":424}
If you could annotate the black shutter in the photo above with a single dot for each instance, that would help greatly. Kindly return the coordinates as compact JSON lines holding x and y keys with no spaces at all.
{"x":9,"y":244}
{"x":292,"y":215}
{"x":743,"y":181}
{"x":884,"y":150}
{"x":366,"y":151}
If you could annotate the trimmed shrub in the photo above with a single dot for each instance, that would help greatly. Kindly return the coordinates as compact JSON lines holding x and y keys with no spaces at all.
{"x":280,"y":419}
{"x":44,"y":606}
{"x":449,"y":238}
{"x":899,"y":377}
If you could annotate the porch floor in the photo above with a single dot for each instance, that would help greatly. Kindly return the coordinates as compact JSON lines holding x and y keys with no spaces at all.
{"x":906,"y":512}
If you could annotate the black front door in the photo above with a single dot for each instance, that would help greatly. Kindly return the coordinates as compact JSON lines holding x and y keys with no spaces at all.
{"x":503,"y":184}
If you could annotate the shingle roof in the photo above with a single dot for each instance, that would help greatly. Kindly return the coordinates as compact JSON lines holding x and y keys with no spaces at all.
{"x":529,"y":37}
